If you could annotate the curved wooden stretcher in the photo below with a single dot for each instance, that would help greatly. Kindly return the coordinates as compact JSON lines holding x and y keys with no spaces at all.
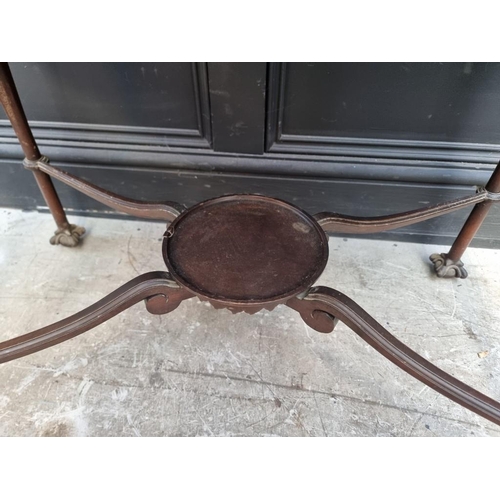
{"x":246,"y":253}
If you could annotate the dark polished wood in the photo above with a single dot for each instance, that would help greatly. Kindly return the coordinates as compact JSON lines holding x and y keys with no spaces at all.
{"x":162,"y":295}
{"x":338,"y":223}
{"x":322,"y":307}
{"x":166,"y":211}
{"x":330,"y":222}
{"x":245,"y":251}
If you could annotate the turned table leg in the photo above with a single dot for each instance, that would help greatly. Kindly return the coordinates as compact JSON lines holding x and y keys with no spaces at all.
{"x":66,"y":234}
{"x":449,"y":264}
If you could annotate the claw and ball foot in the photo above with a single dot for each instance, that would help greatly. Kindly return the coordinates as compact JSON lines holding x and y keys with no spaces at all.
{"x":446,"y":267}
{"x":322,"y":307}
{"x":68,"y":236}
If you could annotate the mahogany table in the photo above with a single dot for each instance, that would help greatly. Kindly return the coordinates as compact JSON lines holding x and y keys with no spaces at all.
{"x":245,"y":253}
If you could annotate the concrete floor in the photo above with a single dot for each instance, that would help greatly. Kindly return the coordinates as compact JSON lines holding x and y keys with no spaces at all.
{"x":201,"y":371}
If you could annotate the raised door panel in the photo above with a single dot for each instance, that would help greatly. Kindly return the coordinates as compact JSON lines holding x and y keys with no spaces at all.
{"x":405,"y":110}
{"x":158,"y":104}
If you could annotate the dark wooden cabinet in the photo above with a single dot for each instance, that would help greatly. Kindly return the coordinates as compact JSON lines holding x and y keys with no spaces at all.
{"x":388,"y":104}
{"x":363,"y":139}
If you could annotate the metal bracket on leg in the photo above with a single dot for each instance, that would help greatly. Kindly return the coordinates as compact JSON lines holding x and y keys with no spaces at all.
{"x":449,"y":264}
{"x":322,"y":307}
{"x":67,"y":235}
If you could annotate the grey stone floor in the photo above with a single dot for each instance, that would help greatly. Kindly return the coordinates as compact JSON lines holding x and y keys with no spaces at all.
{"x":199,"y":371}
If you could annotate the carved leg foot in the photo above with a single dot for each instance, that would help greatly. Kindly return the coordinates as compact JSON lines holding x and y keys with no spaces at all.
{"x":161,"y":294}
{"x":68,"y":237}
{"x":322,"y":307}
{"x":446,"y":267}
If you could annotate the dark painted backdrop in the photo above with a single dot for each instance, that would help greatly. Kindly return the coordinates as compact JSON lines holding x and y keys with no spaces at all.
{"x":362,"y":139}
